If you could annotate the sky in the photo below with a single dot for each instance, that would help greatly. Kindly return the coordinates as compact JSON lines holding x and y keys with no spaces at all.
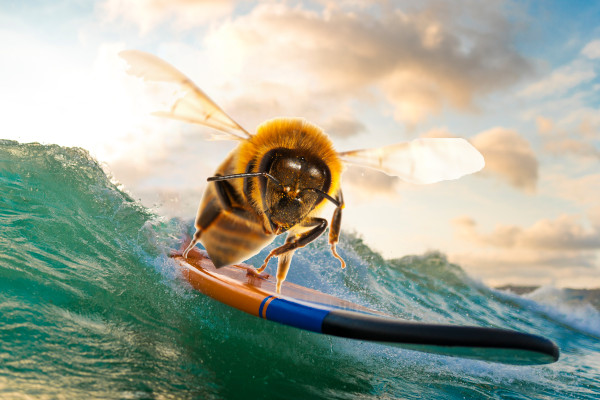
{"x":519,"y":80}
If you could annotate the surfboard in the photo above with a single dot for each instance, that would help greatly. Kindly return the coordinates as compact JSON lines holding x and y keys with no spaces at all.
{"x":240,"y":287}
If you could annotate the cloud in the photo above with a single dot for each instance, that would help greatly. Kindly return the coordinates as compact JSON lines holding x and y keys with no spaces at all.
{"x":581,"y":70}
{"x":439,"y":132}
{"x":544,"y":125}
{"x":594,"y":216}
{"x":420,"y":61}
{"x":574,"y":147}
{"x":341,"y":126}
{"x":168,"y":173}
{"x":564,"y":104}
{"x":508,"y":156}
{"x":266,"y":100}
{"x":327,"y":64}
{"x":592,"y":50}
{"x":148,"y":14}
{"x":561,"y":80}
{"x":575,"y":135}
{"x":497,"y":268}
{"x":565,"y":233}
{"x":364,"y":184}
{"x":562,"y":250}
{"x":586,"y":122}
{"x":583,"y":191}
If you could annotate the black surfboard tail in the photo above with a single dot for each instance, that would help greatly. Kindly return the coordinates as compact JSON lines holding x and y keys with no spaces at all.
{"x":483,"y":343}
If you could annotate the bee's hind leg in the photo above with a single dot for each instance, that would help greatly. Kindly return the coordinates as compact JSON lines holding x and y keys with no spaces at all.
{"x":195,"y":240}
{"x":334,"y":229}
{"x":224,"y":200}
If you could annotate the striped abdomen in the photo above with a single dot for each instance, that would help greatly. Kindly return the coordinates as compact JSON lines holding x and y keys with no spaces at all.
{"x":232,"y":231}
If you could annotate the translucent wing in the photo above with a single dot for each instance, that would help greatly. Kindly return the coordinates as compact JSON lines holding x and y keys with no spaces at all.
{"x":191,"y":104}
{"x":421,"y":161}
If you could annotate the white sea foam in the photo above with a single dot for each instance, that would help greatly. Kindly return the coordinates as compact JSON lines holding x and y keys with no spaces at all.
{"x":567,"y":308}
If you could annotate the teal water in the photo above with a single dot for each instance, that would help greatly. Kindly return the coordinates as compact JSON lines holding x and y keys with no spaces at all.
{"x":91,"y":307}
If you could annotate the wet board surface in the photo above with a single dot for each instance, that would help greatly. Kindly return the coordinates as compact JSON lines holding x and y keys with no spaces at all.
{"x":239,"y":287}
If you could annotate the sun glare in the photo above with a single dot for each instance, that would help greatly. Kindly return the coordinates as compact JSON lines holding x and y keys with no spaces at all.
{"x":66,"y":104}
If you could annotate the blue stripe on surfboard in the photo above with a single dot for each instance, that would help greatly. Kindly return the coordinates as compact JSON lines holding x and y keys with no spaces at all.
{"x":295,"y":314}
{"x":330,"y":307}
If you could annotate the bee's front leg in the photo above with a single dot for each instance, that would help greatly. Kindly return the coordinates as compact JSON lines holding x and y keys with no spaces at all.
{"x":293,"y":242}
{"x":336,"y":225}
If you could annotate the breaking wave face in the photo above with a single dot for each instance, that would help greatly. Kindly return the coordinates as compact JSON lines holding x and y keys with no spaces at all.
{"x":92,"y":307}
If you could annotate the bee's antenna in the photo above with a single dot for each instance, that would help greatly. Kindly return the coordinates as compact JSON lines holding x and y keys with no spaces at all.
{"x":322,"y":193}
{"x":271,"y":177}
{"x":246,"y":175}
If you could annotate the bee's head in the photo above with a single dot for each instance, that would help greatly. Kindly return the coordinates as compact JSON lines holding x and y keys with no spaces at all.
{"x":299,"y":184}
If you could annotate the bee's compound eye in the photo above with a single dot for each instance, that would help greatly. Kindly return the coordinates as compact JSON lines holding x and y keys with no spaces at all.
{"x":315,"y":172}
{"x":292,"y":164}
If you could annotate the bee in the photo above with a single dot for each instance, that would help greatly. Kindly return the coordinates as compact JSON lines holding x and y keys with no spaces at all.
{"x":279,"y":179}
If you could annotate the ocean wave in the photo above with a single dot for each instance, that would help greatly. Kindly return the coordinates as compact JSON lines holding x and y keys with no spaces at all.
{"x":90,"y":303}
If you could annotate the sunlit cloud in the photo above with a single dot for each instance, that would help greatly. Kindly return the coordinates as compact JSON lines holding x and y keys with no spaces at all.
{"x":594,"y":216}
{"x":576,"y":134}
{"x":497,"y":268}
{"x":418,"y":61}
{"x":563,"y":233}
{"x":577,"y":148}
{"x":544,"y":125}
{"x":551,"y":250}
{"x":583,"y":191}
{"x":178,"y":14}
{"x":561,"y":80}
{"x":366,"y":184}
{"x":592,"y":50}
{"x":344,"y":126}
{"x":509,"y":156}
{"x":564,"y":108}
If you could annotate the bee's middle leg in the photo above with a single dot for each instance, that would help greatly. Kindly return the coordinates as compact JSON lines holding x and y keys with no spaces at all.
{"x":285,"y":259}
{"x":282,"y":268}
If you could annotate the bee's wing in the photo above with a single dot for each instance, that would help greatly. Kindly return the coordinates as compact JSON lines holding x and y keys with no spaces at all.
{"x":421,"y":161}
{"x":192,"y":104}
